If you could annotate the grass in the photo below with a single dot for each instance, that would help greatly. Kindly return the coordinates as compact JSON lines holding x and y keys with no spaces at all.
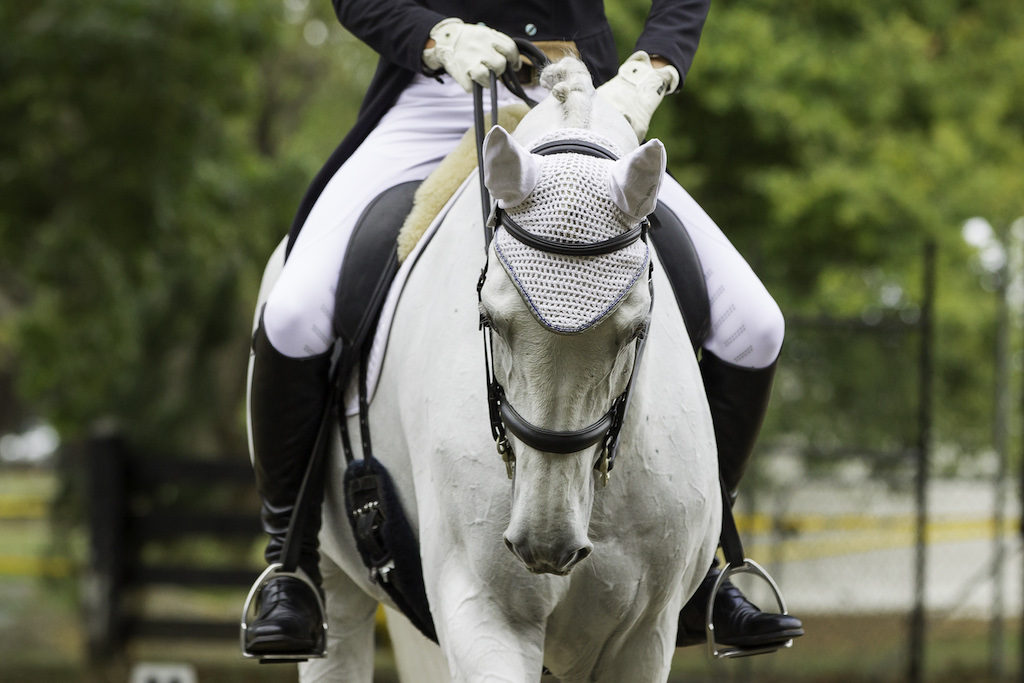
{"x":860,"y":648}
{"x":836,"y":649}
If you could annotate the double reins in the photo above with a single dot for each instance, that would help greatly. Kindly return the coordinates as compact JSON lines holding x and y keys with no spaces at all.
{"x":505,"y":419}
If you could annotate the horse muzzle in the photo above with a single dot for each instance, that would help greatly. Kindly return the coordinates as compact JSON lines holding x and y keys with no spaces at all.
{"x":549,"y":559}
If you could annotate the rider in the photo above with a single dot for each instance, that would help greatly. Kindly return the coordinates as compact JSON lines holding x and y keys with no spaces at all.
{"x":410,"y":119}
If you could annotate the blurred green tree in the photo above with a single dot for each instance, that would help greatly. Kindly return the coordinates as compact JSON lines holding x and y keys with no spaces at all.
{"x":830,"y":140}
{"x":151,"y":159}
{"x":151,"y":155}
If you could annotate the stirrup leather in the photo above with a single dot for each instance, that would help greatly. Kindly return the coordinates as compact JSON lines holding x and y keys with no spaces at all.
{"x":274,"y":571}
{"x":723,"y":651}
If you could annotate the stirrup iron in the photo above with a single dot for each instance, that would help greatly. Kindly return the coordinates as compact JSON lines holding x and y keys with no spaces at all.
{"x":723,"y":651}
{"x":274,"y":571}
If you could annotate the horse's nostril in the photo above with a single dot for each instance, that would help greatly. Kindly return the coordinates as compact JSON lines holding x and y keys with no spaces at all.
{"x":546,"y":562}
{"x":575,"y":557}
{"x":519,"y":551}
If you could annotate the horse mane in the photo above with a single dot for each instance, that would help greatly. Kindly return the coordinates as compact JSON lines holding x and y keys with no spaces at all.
{"x":570,"y":84}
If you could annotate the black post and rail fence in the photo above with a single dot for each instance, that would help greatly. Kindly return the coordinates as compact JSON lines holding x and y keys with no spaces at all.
{"x":139,"y":503}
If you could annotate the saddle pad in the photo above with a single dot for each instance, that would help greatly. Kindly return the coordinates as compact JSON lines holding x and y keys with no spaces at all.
{"x":444,"y":180}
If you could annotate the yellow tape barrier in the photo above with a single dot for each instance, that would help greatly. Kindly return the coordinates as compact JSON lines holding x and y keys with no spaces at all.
{"x":23,"y":507}
{"x":813,"y":537}
{"x":52,"y":567}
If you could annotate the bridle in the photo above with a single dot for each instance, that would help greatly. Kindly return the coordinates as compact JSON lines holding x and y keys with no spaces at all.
{"x":504,"y":418}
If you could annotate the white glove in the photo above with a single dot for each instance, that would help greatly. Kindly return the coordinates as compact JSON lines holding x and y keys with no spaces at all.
{"x":637,"y":89}
{"x":468,"y":52}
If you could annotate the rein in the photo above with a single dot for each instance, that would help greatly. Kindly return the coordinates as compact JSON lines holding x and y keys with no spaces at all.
{"x":505,"y":419}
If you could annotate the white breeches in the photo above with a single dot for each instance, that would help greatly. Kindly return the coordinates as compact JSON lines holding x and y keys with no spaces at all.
{"x":413,"y":137}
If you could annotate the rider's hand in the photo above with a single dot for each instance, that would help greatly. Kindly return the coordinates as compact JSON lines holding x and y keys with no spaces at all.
{"x":469,"y":51}
{"x":637,"y":89}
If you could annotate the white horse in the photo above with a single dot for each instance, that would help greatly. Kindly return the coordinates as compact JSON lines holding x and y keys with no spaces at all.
{"x":597,"y":574}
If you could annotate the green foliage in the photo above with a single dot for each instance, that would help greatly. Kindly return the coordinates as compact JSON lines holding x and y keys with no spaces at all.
{"x":830,"y":140}
{"x":852,"y":131}
{"x":151,"y":155}
{"x":143,"y":187}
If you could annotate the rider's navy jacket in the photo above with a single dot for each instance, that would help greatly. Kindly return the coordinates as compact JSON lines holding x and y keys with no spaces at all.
{"x":399,"y":29}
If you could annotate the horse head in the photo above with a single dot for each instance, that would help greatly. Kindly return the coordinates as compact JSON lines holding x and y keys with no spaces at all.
{"x":564,"y":321}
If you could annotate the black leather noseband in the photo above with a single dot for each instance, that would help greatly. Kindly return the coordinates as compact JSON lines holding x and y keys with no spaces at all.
{"x":548,"y":440}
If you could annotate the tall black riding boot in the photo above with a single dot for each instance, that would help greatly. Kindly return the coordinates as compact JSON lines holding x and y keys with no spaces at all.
{"x":738,"y":398}
{"x":287,"y":400}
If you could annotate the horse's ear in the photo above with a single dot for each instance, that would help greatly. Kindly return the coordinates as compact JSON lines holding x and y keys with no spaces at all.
{"x":635,"y":179}
{"x":510,"y":171}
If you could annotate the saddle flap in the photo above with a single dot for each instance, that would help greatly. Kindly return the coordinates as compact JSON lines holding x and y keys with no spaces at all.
{"x":682,"y":265}
{"x":370,"y":264}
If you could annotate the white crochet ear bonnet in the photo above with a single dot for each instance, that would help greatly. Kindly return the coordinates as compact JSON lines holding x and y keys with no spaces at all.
{"x":571,"y":203}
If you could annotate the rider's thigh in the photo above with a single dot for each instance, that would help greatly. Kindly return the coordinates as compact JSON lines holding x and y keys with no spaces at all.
{"x":406,"y":145}
{"x":747,"y":326}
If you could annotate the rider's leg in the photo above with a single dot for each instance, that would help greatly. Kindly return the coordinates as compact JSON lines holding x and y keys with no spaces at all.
{"x":737,"y":364}
{"x":738,"y":398}
{"x":425,"y":124}
{"x":296,"y":335}
{"x":286,"y":402}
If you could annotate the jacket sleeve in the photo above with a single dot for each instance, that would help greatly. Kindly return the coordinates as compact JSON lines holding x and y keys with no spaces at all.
{"x":673,"y":30}
{"x":397,"y":30}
